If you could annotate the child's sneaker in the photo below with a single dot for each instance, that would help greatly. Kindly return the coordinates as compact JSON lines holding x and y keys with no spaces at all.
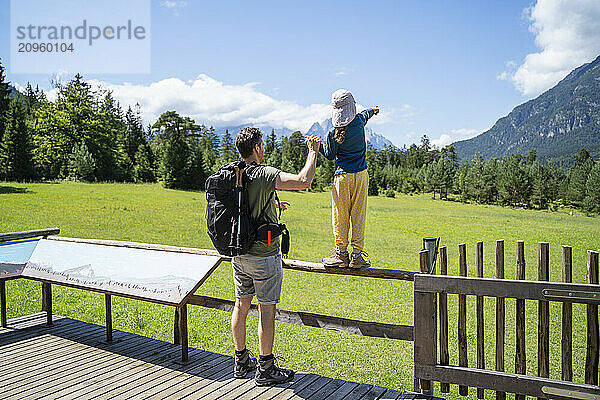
{"x":358,"y":261}
{"x":337,"y":259}
{"x":269,"y":373}
{"x":244,"y":365}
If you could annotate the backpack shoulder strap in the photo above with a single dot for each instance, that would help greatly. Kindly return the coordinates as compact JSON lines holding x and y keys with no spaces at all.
{"x":249,"y":170}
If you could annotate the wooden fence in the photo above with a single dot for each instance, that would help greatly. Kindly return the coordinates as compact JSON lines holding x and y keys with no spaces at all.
{"x":431,"y":291}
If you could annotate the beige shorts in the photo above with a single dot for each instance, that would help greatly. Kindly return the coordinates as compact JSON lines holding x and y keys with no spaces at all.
{"x":258,"y":276}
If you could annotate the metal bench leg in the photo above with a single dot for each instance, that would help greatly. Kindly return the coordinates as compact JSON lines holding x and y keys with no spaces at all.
{"x":183,"y":332}
{"x":3,"y":302}
{"x":107,"y":302}
{"x":47,"y":301}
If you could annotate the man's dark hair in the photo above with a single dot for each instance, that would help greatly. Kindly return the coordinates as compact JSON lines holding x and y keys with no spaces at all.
{"x":246,"y":140}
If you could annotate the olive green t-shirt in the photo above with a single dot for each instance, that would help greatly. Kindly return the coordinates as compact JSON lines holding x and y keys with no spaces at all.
{"x":260,"y":187}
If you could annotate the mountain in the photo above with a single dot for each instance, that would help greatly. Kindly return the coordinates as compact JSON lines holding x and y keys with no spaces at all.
{"x":266,"y":130}
{"x":556,"y":124}
{"x":319,"y":129}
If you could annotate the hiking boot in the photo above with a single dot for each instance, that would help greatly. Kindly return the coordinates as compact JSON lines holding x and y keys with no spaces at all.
{"x":358,"y":261}
{"x":270,"y":374}
{"x":337,"y":259}
{"x":241,"y":369}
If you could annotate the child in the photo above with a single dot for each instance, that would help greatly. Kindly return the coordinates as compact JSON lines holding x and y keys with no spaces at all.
{"x":347,"y":145}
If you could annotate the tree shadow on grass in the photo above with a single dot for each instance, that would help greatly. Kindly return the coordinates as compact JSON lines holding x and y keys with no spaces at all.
{"x":13,"y":190}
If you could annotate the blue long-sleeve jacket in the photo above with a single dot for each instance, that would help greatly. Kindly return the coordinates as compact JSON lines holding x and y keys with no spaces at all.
{"x":351,"y":155}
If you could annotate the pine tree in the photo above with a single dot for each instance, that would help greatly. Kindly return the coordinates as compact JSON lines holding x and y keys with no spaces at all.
{"x":81,"y":163}
{"x":541,"y":182}
{"x":228,"y":151}
{"x":513,"y":181}
{"x":591,"y":202}
{"x":371,"y":170}
{"x":294,"y":153}
{"x":209,"y":144}
{"x":194,"y":173}
{"x":142,"y":170}
{"x":273,"y":151}
{"x":32,"y":99}
{"x":4,"y":103}
{"x":578,"y":176}
{"x":176,"y":141}
{"x":17,"y":144}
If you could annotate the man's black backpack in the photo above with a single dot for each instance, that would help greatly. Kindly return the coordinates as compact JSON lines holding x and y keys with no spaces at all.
{"x":229,"y":223}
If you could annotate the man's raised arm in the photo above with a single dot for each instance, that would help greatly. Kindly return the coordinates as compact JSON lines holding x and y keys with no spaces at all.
{"x":287,"y":181}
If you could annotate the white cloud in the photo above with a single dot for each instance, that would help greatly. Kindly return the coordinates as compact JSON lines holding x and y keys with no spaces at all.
{"x":340,"y":73}
{"x":217,"y":104}
{"x":174,"y":5}
{"x":465,"y":133}
{"x":442,"y":141}
{"x":455,"y":135}
{"x":568,"y":34}
{"x":211,"y":102}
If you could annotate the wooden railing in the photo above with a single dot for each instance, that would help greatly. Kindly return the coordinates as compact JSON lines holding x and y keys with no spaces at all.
{"x":428,"y":287}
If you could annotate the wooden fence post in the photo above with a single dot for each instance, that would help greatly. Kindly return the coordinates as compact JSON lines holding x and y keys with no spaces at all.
{"x":480,"y":321}
{"x":462,"y":317}
{"x":183,"y":332}
{"x":425,"y":322}
{"x":567,"y":319}
{"x":3,"y":303}
{"x":543,"y":314}
{"x":500,"y":315}
{"x":47,"y":301}
{"x":108,"y":308}
{"x":443,"y":299}
{"x":591,"y":359}
{"x":176,"y":335}
{"x":520,"y":356}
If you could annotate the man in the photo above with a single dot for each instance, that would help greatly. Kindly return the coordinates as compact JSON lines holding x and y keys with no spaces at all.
{"x":259,"y":273}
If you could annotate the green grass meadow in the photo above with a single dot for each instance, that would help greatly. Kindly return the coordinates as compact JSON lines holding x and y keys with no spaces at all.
{"x":395,"y":227}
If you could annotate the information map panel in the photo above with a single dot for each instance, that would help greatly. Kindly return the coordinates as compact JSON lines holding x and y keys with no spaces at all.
{"x":161,"y":276}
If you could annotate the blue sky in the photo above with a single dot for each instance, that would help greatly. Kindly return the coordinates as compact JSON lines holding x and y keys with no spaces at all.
{"x":445,"y":69}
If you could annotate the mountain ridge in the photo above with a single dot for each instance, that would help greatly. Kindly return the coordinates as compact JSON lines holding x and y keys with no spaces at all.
{"x":320,"y":129}
{"x":557,"y":123}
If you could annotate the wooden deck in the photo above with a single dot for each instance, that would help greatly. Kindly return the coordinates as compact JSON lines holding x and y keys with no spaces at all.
{"x":71,"y":360}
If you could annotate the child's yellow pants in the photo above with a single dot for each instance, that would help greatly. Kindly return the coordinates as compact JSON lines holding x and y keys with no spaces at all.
{"x":349,"y":206}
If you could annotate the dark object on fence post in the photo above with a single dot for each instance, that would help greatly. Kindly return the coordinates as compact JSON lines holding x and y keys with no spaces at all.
{"x":462,"y":317}
{"x":108,"y":307}
{"x":183,"y":332}
{"x":500,"y":315}
{"x":425,"y":326}
{"x":444,"y":354}
{"x":3,"y":302}
{"x":47,"y":301}
{"x":591,"y":358}
{"x":543,"y":314}
{"x":567,"y":319}
{"x":480,"y":322}
{"x":431,"y":244}
{"x":176,"y":336}
{"x":520,"y":356}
